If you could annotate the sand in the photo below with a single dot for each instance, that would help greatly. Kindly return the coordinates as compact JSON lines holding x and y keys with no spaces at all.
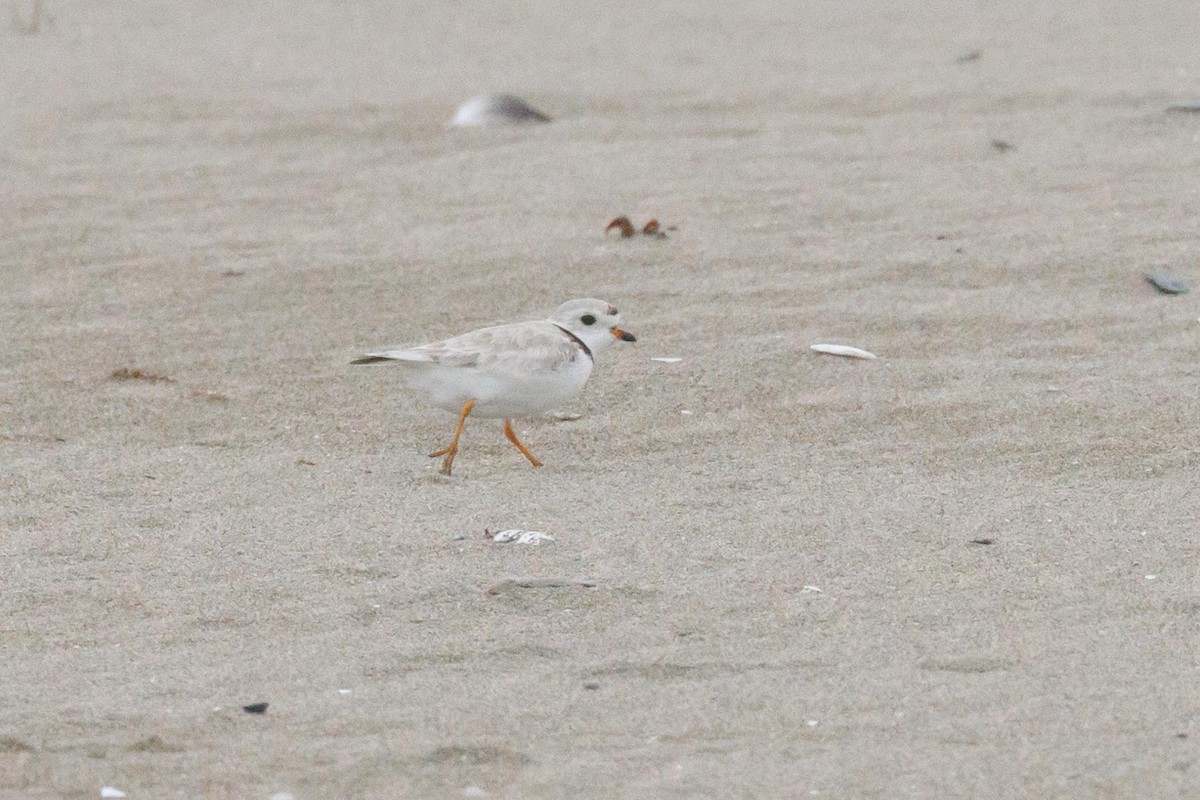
{"x":789,"y":598}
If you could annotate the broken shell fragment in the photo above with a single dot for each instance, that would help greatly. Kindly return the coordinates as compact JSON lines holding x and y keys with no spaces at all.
{"x":843,"y":350}
{"x":518,"y":536}
{"x":623,"y":225}
{"x":496,"y":109}
{"x":652,"y":228}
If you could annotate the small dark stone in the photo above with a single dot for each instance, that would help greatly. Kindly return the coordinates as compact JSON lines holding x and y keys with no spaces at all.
{"x":983,"y":541}
{"x":1165,"y":283}
{"x":256,"y":708}
{"x":591,"y":686}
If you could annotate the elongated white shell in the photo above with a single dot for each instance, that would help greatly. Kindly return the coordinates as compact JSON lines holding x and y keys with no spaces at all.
{"x":843,"y":350}
{"x":496,"y":109}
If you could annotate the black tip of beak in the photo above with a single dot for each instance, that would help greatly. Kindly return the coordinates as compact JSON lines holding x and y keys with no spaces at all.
{"x":626,"y":336}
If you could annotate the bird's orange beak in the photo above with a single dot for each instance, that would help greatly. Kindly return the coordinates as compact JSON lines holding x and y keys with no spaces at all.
{"x":623,"y":336}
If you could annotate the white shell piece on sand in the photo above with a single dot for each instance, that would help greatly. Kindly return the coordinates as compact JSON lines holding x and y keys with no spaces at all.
{"x":843,"y":350}
{"x":496,"y":109}
{"x":667,"y":359}
{"x":111,"y":791}
{"x":518,"y":536}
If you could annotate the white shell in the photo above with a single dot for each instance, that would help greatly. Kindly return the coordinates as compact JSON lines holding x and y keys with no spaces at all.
{"x":518,"y":536}
{"x":667,"y":359}
{"x":110,"y":791}
{"x":496,"y":109}
{"x":843,"y":350}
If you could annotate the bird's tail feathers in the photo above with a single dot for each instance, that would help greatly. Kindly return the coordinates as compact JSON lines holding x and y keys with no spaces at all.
{"x":394,"y":355}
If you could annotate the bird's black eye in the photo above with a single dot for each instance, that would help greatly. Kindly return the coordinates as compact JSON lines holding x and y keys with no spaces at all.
{"x":588,"y":319}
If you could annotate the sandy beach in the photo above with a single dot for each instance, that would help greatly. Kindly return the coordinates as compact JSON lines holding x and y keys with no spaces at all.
{"x":969,"y":568}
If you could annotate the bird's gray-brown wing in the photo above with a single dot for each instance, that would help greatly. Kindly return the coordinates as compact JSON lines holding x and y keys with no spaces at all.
{"x":524,"y":347}
{"x":527,"y":348}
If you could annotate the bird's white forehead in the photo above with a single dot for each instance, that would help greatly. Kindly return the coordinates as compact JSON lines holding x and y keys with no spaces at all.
{"x":590,"y":305}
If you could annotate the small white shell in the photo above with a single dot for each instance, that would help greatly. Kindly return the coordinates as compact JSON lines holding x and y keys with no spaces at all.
{"x":111,"y":791}
{"x":667,"y":359}
{"x":843,"y":350}
{"x":496,"y":109}
{"x":518,"y":536}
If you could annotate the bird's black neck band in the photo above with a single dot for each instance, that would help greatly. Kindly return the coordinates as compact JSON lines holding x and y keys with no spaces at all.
{"x":578,"y":341}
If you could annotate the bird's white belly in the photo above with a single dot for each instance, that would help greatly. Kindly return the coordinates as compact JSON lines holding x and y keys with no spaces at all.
{"x":500,"y":393}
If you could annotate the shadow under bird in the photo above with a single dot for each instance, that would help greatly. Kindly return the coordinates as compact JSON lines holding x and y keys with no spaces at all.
{"x":522,"y":369}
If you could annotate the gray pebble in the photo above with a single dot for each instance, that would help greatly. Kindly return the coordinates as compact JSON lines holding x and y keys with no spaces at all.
{"x":1191,"y":106}
{"x":1165,"y":283}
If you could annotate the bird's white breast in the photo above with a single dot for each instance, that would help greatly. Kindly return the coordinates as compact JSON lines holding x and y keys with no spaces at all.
{"x":500,"y":390}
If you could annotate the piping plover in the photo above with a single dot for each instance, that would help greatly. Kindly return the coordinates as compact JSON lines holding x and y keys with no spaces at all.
{"x":522,"y":369}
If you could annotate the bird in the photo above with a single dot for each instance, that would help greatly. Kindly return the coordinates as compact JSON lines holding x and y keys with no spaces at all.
{"x":521,"y":369}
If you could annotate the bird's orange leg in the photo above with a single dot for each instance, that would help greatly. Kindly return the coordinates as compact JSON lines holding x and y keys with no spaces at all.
{"x":451,"y":451}
{"x":512,"y":437}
